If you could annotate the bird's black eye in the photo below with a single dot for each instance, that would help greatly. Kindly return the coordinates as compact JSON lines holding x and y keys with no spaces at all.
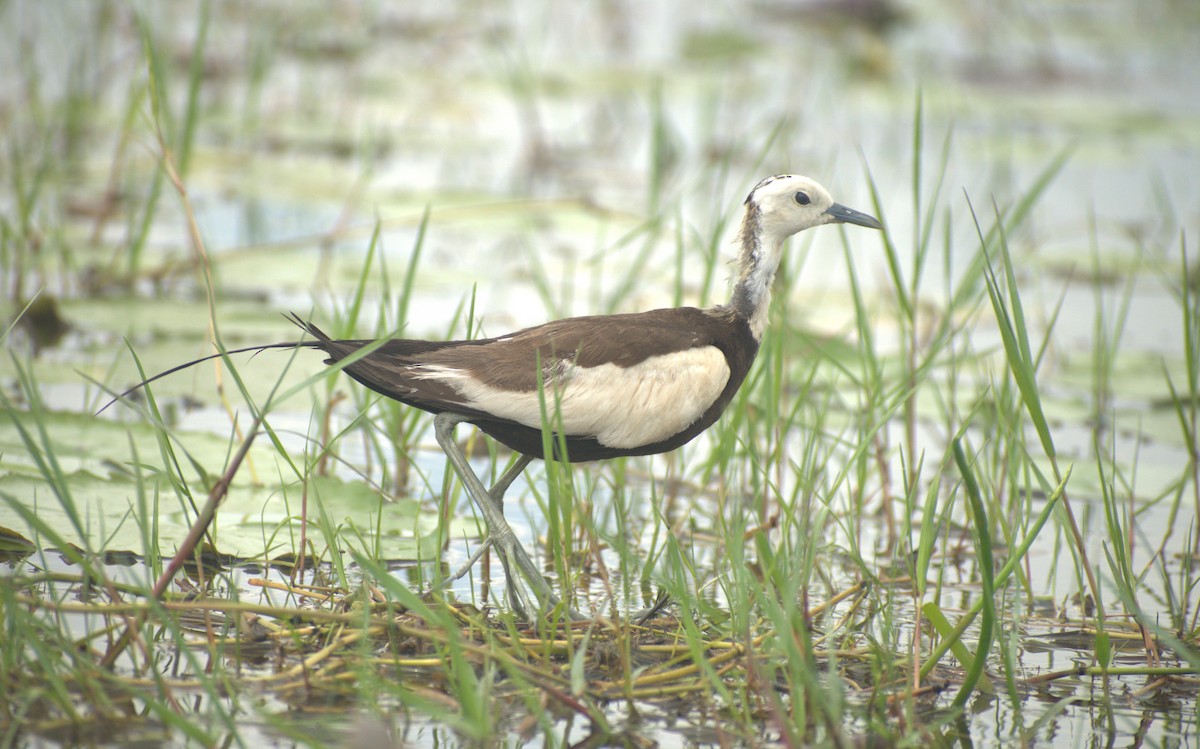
{"x":802,"y":198}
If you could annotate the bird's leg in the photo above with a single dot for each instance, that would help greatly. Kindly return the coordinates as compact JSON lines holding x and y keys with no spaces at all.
{"x":499,"y":532}
{"x":501,"y":486}
{"x":497,"y":495}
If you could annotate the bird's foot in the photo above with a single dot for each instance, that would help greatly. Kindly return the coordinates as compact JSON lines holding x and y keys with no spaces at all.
{"x":511,"y":554}
{"x":518,"y":597}
{"x":465,"y":568}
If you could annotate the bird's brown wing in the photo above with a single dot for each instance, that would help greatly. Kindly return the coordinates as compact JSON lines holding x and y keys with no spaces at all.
{"x":409,"y":370}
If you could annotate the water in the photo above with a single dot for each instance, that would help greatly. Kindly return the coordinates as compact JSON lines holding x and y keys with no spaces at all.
{"x":533,"y":130}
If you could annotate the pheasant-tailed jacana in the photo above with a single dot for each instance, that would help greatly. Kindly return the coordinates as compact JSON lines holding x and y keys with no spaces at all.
{"x":632,"y":384}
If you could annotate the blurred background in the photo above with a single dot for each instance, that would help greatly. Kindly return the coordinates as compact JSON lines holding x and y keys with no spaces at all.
{"x":449,"y":169}
{"x":587,"y":155}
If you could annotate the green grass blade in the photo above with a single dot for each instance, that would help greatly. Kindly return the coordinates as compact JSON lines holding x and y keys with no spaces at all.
{"x":983,"y":538}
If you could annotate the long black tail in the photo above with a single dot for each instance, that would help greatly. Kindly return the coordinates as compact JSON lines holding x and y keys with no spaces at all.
{"x":320,"y":339}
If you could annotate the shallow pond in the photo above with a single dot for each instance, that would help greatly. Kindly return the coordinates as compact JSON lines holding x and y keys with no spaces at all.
{"x":467,"y":169}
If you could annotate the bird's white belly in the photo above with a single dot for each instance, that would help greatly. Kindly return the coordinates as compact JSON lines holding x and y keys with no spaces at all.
{"x":622,"y":407}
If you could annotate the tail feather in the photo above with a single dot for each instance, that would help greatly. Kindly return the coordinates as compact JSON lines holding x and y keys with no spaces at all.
{"x":307,"y":327}
{"x":384,"y":370}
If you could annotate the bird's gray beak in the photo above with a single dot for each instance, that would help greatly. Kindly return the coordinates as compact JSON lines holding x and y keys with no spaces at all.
{"x":843,"y":215}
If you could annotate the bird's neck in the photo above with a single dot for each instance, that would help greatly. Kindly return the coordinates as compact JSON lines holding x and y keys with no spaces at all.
{"x":758,"y":259}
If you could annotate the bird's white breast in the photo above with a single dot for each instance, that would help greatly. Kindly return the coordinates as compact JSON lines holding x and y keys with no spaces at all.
{"x":622,"y":407}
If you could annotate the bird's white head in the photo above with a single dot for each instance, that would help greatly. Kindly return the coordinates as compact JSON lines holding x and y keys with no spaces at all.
{"x":788,"y":203}
{"x":777,"y":208}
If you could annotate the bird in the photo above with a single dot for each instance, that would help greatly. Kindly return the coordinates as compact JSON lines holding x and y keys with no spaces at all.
{"x":618,"y":385}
